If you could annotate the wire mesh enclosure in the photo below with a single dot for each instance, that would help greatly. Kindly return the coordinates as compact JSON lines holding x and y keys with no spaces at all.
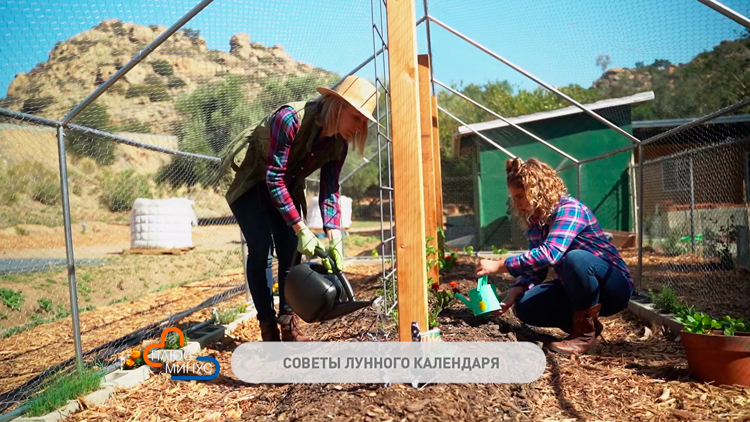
{"x":671,"y":109}
{"x":117,"y":117}
{"x":149,"y":97}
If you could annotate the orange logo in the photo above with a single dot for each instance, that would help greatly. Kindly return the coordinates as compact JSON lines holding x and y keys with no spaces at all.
{"x":161,"y":345}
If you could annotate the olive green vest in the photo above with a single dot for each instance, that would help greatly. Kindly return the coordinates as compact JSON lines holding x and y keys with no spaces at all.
{"x":255,"y":142}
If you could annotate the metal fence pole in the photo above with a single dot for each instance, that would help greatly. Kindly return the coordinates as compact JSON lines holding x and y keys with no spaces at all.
{"x":726,"y":11}
{"x":549,"y":87}
{"x":640,"y":217}
{"x":692,"y":204}
{"x":578,"y":182}
{"x":69,"y":247}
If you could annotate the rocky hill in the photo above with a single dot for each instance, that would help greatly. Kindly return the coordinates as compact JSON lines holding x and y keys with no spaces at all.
{"x":144,"y":98}
{"x":711,"y":80}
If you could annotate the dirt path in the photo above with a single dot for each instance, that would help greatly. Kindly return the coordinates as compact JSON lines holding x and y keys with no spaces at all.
{"x":100,"y":240}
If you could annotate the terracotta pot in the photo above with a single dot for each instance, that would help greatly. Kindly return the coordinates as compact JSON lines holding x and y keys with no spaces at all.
{"x":723,"y":360}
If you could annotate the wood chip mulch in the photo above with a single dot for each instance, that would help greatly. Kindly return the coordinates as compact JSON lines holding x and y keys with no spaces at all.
{"x":639,"y":374}
{"x":27,"y":354}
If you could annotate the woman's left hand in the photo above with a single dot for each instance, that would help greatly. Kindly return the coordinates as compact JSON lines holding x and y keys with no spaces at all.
{"x":489,"y":266}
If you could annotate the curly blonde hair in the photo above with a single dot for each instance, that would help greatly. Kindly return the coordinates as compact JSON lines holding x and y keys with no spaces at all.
{"x":542,"y":185}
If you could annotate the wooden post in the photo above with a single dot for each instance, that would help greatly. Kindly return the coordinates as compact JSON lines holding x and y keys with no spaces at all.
{"x":428,"y":157}
{"x":411,"y":259}
{"x":438,"y":170}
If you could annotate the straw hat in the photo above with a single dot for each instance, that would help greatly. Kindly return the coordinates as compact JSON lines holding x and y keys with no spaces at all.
{"x":358,"y":92}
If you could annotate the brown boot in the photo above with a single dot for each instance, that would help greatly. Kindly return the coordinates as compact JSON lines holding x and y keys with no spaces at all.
{"x":290,"y":331}
{"x":269,"y":330}
{"x":598,"y":329}
{"x":582,"y":338}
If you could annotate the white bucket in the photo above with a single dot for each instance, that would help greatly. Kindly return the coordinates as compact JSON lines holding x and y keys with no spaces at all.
{"x":162,"y":223}
{"x":314,"y":219}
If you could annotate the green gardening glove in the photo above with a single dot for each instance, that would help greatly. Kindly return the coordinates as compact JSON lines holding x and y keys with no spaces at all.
{"x":308,"y":242}
{"x":336,"y":253}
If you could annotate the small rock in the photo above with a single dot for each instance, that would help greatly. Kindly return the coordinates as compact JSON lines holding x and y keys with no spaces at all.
{"x":512,"y":336}
{"x":646,"y":334}
{"x":416,"y":406}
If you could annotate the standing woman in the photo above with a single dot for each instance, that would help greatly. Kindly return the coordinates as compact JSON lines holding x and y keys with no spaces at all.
{"x":267,"y":195}
{"x":563,"y":233}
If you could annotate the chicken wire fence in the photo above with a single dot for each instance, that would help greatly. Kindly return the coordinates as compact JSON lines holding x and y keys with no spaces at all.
{"x":696,"y":215}
{"x":142,"y":263}
{"x":217,"y":74}
{"x":672,"y":63}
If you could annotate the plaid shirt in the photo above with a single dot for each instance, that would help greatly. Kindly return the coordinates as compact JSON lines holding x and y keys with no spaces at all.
{"x":284,"y":128}
{"x":572,"y":226}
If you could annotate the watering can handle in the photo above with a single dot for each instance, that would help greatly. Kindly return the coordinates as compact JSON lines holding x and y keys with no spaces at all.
{"x":320,"y":253}
{"x":482,"y":281}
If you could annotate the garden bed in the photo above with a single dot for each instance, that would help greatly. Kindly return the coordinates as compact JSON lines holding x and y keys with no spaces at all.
{"x":640,"y":373}
{"x":27,"y":354}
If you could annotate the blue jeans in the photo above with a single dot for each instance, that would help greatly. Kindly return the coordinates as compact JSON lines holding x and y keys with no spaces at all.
{"x":263,"y":227}
{"x":586,"y":281}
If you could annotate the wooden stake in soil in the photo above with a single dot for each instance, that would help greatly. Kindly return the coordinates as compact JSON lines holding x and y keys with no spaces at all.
{"x":428,"y":157}
{"x":411,"y":260}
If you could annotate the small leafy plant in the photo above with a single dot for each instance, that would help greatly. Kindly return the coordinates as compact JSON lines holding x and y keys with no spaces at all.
{"x":440,"y":299}
{"x":731,"y":326}
{"x":498,"y":251}
{"x":444,"y":263}
{"x":700,"y":323}
{"x":172,"y":340}
{"x":450,"y":260}
{"x":12,"y":298}
{"x":134,"y":360}
{"x":666,"y":301}
{"x":226,"y":315}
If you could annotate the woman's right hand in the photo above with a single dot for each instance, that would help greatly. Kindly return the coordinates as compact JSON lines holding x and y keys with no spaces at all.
{"x":307,"y":242}
{"x":513,"y":294}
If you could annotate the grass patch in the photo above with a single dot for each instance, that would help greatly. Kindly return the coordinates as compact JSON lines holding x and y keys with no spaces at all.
{"x":224,"y":316}
{"x":12,"y":298}
{"x":60,"y":312}
{"x":11,"y":278}
{"x":63,"y":388}
{"x":359,"y":240}
{"x":45,"y":304}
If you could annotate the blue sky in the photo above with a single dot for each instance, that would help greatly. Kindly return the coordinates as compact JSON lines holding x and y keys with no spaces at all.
{"x":557,"y":41}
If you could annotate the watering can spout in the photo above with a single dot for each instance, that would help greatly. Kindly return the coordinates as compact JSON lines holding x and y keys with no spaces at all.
{"x":466,"y":301}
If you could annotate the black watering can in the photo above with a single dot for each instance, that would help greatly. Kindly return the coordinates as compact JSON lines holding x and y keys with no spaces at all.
{"x":316,"y":296}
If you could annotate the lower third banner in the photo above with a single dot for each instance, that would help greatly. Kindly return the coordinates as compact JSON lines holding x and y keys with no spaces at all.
{"x":388,"y":362}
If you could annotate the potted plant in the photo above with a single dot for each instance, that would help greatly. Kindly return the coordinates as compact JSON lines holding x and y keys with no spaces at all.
{"x":717,"y":351}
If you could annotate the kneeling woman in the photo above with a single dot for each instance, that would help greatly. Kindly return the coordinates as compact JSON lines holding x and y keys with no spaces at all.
{"x":592,"y":278}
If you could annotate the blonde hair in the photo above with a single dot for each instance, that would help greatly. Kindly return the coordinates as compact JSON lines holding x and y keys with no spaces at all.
{"x":542,"y":186}
{"x":329,"y":115}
